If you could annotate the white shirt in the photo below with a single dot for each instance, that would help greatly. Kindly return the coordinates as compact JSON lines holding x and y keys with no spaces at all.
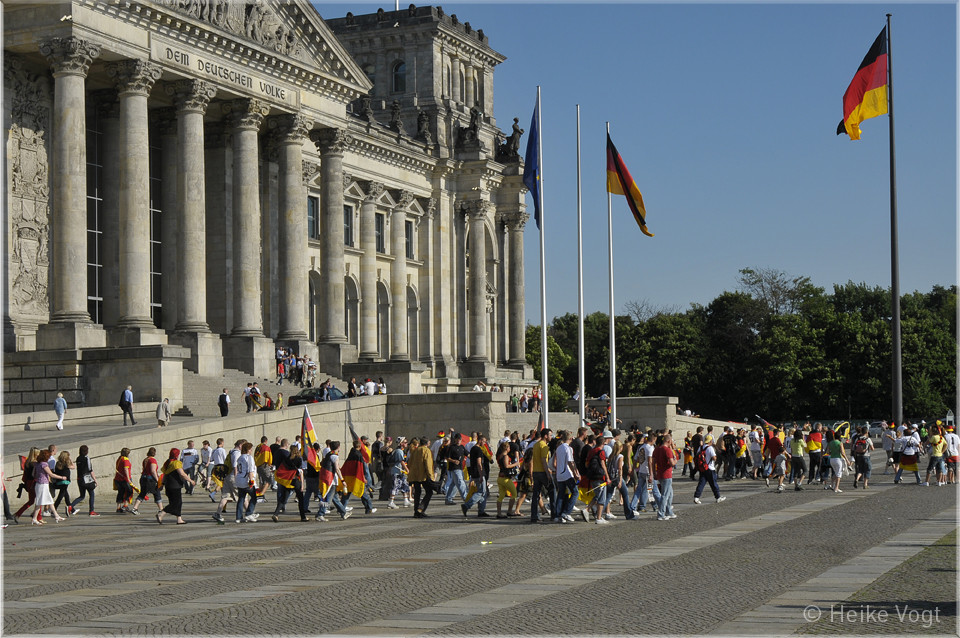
{"x":953,"y":444}
{"x":754,"y":441}
{"x":644,"y":468}
{"x":370,"y":388}
{"x":710,"y":455}
{"x":218,"y":456}
{"x":189,"y":457}
{"x":564,"y":456}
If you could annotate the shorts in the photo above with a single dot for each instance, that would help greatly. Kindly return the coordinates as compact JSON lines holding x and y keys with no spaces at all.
{"x":799,"y":466}
{"x":838,"y":466}
{"x":952,"y":463}
{"x":757,"y":457}
{"x":896,"y":456}
{"x":863,"y":465}
{"x":936,"y":462}
{"x":779,"y":466}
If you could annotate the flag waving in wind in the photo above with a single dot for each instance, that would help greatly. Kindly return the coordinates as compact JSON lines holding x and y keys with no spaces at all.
{"x":619,"y":182}
{"x":866,"y":96}
{"x":308,"y":436}
{"x":531,"y":163}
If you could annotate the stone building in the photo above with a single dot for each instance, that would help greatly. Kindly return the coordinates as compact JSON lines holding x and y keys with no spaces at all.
{"x":191,"y":183}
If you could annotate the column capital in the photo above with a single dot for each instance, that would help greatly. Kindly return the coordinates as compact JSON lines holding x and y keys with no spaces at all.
{"x":515,"y":221}
{"x":246,"y":113}
{"x":105,"y":102}
{"x":191,"y":96}
{"x":374,"y":190}
{"x":165,"y":120}
{"x":70,"y":55}
{"x":330,"y":141}
{"x":403,"y":201}
{"x":134,"y":76}
{"x":290,"y":128}
{"x":476,"y":209}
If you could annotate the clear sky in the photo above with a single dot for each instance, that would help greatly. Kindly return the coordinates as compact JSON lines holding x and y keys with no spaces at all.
{"x":726,"y":114}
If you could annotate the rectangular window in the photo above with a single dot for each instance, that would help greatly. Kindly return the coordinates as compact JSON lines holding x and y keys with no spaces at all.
{"x":380,"y":231}
{"x":313,"y":218}
{"x":348,"y":225}
{"x":94,"y":219}
{"x":408,"y":233}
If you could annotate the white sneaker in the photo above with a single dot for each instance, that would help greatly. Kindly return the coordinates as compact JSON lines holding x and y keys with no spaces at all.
{"x":574,"y":510}
{"x":348,"y":508}
{"x":567,"y":518}
{"x":393,"y":505}
{"x":610,"y":516}
{"x":602,"y":521}
{"x":636,"y":513}
{"x":250,"y":519}
{"x":721,"y":499}
{"x":926,"y":484}
{"x":697,"y":501}
{"x":372,"y":511}
{"x":672,"y":516}
{"x":407,"y":503}
{"x":585,"y":515}
{"x":345,"y":516}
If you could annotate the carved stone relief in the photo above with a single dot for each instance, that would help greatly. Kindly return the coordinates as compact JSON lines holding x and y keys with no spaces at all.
{"x":29,"y":194}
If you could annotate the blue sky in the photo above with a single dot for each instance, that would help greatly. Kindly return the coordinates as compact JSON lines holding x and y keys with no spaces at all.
{"x":725,"y":114}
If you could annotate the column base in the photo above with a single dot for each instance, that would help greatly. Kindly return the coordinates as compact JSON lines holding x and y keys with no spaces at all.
{"x":483,"y":370}
{"x":70,"y":336}
{"x":331,"y":357}
{"x":254,"y":355}
{"x":206,"y":352}
{"x":135,"y":336}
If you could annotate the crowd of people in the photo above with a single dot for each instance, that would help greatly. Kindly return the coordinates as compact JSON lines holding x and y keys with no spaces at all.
{"x":545,"y":473}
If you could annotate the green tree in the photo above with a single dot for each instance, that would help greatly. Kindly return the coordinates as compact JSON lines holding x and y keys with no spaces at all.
{"x":557,"y":361}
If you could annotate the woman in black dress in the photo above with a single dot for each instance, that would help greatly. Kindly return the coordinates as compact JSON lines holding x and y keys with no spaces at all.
{"x":174,"y":478}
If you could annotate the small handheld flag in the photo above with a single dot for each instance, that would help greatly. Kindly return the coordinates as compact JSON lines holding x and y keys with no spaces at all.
{"x":866,"y":96}
{"x":619,"y":182}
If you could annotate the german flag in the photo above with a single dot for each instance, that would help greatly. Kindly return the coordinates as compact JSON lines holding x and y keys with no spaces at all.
{"x":327,"y":479}
{"x":308,"y":436}
{"x":285,"y":476}
{"x":866,"y":96}
{"x":354,"y":478}
{"x":312,"y":457}
{"x":365,"y":452}
{"x":619,"y":182}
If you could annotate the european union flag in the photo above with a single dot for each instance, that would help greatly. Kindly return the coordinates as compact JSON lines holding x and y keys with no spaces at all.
{"x":531,"y":163}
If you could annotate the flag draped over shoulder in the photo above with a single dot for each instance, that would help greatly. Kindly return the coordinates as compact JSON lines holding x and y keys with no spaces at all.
{"x":308,"y":436}
{"x":285,"y":476}
{"x":619,"y":182}
{"x":354,"y":477}
{"x":531,"y":162}
{"x":866,"y":96}
{"x":327,"y":479}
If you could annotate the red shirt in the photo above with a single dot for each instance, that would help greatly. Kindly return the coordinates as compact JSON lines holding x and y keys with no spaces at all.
{"x":662,"y":469}
{"x":774,"y":446}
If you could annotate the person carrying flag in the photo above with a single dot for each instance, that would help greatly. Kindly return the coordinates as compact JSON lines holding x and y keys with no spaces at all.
{"x":289,"y":479}
{"x":330,"y":478}
{"x":263,"y":457}
{"x":356,"y":472}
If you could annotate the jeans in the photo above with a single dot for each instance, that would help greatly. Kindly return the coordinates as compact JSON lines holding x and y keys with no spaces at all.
{"x":242,"y":493}
{"x":335,"y":498}
{"x":542,"y":483}
{"x":84,"y":489}
{"x":710,"y":476}
{"x":567,"y":496}
{"x":311,"y":488}
{"x":479,"y":497}
{"x":192,"y":473}
{"x":666,"y":497}
{"x":622,"y":486}
{"x":455,"y":480}
{"x":364,"y":500}
{"x":283,"y":493}
{"x":641,"y":493}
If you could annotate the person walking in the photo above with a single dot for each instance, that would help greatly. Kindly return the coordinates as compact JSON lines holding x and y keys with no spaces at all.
{"x":28,"y":481}
{"x":44,"y":500}
{"x":163,"y":413}
{"x":149,"y":482}
{"x":86,"y":480}
{"x":509,"y":469}
{"x":173,"y":479}
{"x":246,"y":485}
{"x":60,"y":409}
{"x":126,"y":404}
{"x":798,"y":463}
{"x":706,"y":461}
{"x":63,"y":467}
{"x":663,"y":461}
{"x":223,"y":402}
{"x":479,"y":468}
{"x":123,"y":481}
{"x":838,"y":460}
{"x":420,"y":465}
{"x":189,"y":459}
{"x":862,"y":465}
{"x":289,"y":477}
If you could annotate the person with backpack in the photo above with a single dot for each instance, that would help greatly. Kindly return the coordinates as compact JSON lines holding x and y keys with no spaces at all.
{"x":706,"y":462}
{"x":861,"y":446}
{"x":642,"y":461}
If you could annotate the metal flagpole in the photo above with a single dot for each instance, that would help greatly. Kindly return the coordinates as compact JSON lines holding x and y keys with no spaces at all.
{"x":613,"y":336}
{"x":894,"y":250}
{"x":581,"y":368}
{"x":543,"y":270}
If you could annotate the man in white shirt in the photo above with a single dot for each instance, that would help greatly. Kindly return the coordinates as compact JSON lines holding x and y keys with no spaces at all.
{"x":567,"y":477}
{"x":217,"y":457}
{"x":189,"y":457}
{"x":709,"y":475}
{"x":953,"y":452}
{"x":369,"y":387}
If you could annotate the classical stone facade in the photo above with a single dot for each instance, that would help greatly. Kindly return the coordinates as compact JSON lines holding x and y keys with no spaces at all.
{"x":228,"y":177}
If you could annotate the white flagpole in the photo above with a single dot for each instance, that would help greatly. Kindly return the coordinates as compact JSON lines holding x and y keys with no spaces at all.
{"x":581,"y":369}
{"x":613,"y":335}
{"x":543,"y":270}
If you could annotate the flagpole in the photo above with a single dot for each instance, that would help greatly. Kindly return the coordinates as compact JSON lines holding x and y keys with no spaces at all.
{"x":543,"y":269}
{"x":897,"y":372}
{"x":581,"y":367}
{"x":613,"y":335}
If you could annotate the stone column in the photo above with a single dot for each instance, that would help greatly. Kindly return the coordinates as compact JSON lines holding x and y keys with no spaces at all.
{"x":331,"y":144}
{"x":517,"y":336}
{"x":292,"y":130}
{"x":108,"y":110}
{"x":398,"y":281}
{"x":246,"y":118}
{"x":134,"y":79}
{"x":476,"y":216}
{"x":368,"y":273}
{"x":71,"y":326}
{"x":470,"y":95}
{"x":426,"y":257}
{"x":191,"y":98}
{"x":455,"y":79}
{"x":165,"y":126}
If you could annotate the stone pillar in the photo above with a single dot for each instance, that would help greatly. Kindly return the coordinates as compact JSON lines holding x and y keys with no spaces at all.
{"x":134,"y":79}
{"x":191,"y":98}
{"x":292,"y":131}
{"x":476,"y":216}
{"x":455,"y":79}
{"x":470,"y":95}
{"x":517,"y":336}
{"x":398,"y":281}
{"x":108,"y":110}
{"x":426,"y":257}
{"x":165,"y":126}
{"x":70,"y":324}
{"x":331,"y":144}
{"x":247,"y":349}
{"x":368,"y":273}
{"x":246,"y":117}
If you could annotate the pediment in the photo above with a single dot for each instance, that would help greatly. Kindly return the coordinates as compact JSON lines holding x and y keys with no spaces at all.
{"x":291,"y":30}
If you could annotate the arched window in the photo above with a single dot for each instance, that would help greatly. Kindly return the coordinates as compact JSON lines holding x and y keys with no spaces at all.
{"x":399,"y":77}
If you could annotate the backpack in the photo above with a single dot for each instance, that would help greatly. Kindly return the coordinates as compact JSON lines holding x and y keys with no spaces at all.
{"x":595,"y":466}
{"x":860,"y":446}
{"x":702,"y":464}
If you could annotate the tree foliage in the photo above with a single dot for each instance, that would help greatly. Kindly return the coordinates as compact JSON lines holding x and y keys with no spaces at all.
{"x":778,"y":346}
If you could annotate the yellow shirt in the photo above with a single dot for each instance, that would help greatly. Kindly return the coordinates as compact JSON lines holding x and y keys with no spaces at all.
{"x":541,"y":450}
{"x":938,"y":445}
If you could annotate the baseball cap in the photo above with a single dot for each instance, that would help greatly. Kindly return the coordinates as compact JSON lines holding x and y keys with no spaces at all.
{"x":441,"y":434}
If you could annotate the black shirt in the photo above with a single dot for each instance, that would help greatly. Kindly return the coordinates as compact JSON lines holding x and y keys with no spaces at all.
{"x":478,"y":462}
{"x":455,"y":456}
{"x":577,"y":446}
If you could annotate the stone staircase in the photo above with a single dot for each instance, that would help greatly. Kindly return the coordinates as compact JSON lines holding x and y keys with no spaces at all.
{"x":200,"y":393}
